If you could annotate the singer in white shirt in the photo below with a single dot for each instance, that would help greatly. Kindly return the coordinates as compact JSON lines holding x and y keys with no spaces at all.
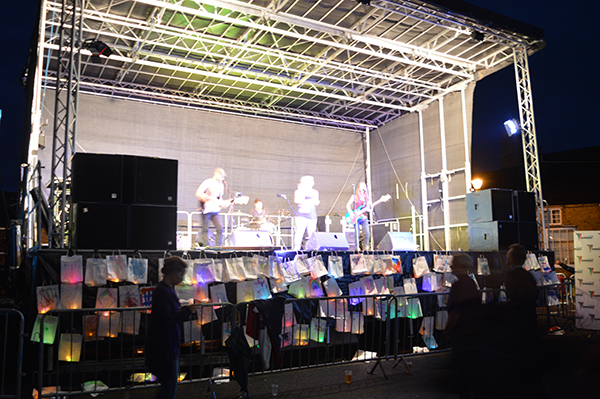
{"x":307,"y":199}
{"x":210,"y":193}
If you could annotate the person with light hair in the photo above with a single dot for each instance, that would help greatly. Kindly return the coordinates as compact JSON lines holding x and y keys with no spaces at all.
{"x":210,"y":194}
{"x":307,"y":199}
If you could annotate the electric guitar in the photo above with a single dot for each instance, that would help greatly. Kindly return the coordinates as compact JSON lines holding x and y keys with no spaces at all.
{"x":216,"y":206}
{"x":353,"y":216}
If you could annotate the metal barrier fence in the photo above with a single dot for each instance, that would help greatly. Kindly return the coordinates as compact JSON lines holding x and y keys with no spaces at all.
{"x":99,"y":350}
{"x":12,"y":325}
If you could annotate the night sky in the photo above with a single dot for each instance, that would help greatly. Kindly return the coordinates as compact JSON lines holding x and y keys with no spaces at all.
{"x":563,"y":78}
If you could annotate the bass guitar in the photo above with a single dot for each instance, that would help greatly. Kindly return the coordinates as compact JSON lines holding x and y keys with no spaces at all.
{"x":353,"y":216}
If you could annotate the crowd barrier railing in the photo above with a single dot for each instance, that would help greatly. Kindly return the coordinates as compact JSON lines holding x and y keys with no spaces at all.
{"x":12,"y":324}
{"x":102,"y":349}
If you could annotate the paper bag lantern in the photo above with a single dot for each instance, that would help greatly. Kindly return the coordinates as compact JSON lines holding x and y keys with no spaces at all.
{"x":47,"y":298}
{"x":69,"y":349}
{"x":71,"y":295}
{"x":137,"y":270}
{"x":116,"y":268}
{"x":71,"y":269}
{"x":335,"y":266}
{"x":203,"y":272}
{"x":95,"y":272}
{"x":318,"y":329}
{"x":48,"y":333}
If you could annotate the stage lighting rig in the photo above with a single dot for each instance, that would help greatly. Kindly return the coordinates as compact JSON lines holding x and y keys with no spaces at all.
{"x":365,"y":2}
{"x":98,"y":49}
{"x":512,"y":127}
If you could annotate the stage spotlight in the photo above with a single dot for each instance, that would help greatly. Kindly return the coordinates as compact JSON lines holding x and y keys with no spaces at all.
{"x":365,"y":2}
{"x":477,"y":36}
{"x":476,"y":184}
{"x":98,"y":49}
{"x":512,"y":127}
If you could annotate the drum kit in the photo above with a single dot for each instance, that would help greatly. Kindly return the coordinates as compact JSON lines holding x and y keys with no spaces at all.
{"x":270,"y":224}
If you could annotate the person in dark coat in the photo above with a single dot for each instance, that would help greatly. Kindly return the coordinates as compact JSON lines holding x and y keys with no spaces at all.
{"x":163,"y":335}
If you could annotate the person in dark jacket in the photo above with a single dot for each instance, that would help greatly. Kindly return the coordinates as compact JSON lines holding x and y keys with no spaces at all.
{"x":163,"y":335}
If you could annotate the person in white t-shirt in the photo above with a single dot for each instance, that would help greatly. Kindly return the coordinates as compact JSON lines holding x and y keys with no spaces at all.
{"x":210,"y":193}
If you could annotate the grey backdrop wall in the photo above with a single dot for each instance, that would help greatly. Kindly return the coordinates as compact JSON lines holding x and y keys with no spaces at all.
{"x":261,"y":157}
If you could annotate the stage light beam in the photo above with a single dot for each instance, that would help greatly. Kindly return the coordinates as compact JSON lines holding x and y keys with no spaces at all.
{"x":512,"y":127}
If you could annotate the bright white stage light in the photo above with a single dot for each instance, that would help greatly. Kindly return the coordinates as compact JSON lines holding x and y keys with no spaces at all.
{"x":512,"y":127}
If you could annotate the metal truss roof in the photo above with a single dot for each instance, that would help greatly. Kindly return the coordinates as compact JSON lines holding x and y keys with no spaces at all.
{"x":331,"y":62}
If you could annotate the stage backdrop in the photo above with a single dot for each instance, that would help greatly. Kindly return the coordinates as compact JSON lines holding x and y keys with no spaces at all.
{"x":587,"y":279}
{"x":261,"y":157}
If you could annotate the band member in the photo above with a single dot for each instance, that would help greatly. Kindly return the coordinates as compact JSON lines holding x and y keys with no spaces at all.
{"x":210,"y":194}
{"x":258,"y":214}
{"x":358,"y":207}
{"x":307,"y":199}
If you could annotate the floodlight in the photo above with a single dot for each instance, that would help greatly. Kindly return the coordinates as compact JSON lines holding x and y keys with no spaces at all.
{"x":365,"y":2}
{"x":476,"y":184}
{"x":98,"y":49}
{"x":512,"y":127}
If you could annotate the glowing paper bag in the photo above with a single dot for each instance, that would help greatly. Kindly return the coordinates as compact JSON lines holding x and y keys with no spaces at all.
{"x":552,"y":298}
{"x":432,"y":282}
{"x":315,"y":290}
{"x":205,"y":315}
{"x":109,"y":324}
{"x":186,"y":293}
{"x":192,"y":331}
{"x":332,"y":288}
{"x":188,"y":277}
{"x":550,"y":278}
{"x":200,"y":293}
{"x":235,"y":269}
{"x":369,"y":261}
{"x":47,"y":298}
{"x":427,"y":326}
{"x":289,"y":317}
{"x":356,"y":288}
{"x":302,"y":264}
{"x":261,"y":289}
{"x":116,"y":268}
{"x":358,"y":323}
{"x":301,"y":332}
{"x":249,"y":267}
{"x":318,"y":329}
{"x":397,"y":264}
{"x":146,"y":295}
{"x":261,"y":265}
{"x":531,"y":263}
{"x":544,"y":264}
{"x":69,"y":349}
{"x":420,"y":266}
{"x":387,"y":266}
{"x":289,"y":272}
{"x":410,"y":286}
{"x":335,"y":266}
{"x":219,"y":270}
{"x":71,"y":269}
{"x":129,"y":296}
{"x":95,"y":272}
{"x":299,"y":288}
{"x":218,"y":294}
{"x":107,"y":297}
{"x":401,"y":302}
{"x":137,"y":270}
{"x":71,"y":295}
{"x":245,"y":291}
{"x":90,"y":327}
{"x":344,"y":323}
{"x":130,"y":321}
{"x":441,"y":319}
{"x":381,"y":286}
{"x":274,"y":267}
{"x":357,"y":265}
{"x":378,"y":265}
{"x":203,"y":271}
{"x":277,"y":285}
{"x":414,"y":310}
{"x":317,"y":267}
{"x":483,"y":267}
{"x":46,"y":335}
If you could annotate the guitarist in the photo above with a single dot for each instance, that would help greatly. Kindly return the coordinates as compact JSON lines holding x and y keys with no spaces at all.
{"x":210,"y":194}
{"x":361,"y":203}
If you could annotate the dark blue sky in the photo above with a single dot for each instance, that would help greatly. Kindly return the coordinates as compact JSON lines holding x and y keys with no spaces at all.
{"x":563,"y":78}
{"x":564,"y":81}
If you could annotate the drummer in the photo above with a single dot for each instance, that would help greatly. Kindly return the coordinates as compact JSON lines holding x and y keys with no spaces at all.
{"x":258,"y":215}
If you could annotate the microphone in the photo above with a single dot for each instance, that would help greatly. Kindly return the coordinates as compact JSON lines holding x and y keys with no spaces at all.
{"x":282,"y":196}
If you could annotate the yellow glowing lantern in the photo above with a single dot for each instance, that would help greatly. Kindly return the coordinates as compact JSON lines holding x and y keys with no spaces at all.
{"x":69,"y":349}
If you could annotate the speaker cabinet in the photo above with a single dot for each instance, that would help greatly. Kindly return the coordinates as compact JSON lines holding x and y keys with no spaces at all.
{"x":492,"y":236}
{"x":528,"y":235}
{"x":150,"y":181}
{"x":489,"y":205}
{"x":251,"y":238}
{"x":320,"y":241}
{"x":152,"y":227}
{"x":524,"y":205}
{"x":397,"y":241}
{"x":97,"y":178}
{"x":100,"y":226}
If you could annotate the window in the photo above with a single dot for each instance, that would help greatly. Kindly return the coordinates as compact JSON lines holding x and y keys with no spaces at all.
{"x":556,"y":216}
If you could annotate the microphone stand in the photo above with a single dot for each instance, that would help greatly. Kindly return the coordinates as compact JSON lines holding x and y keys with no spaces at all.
{"x":293,"y":221}
{"x":356,"y":229}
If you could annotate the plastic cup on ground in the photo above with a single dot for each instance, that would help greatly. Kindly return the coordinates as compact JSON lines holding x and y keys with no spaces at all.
{"x":348,"y":376}
{"x":274,"y":388}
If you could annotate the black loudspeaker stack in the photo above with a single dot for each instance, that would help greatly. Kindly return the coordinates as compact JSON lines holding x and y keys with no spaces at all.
{"x":498,"y":218}
{"x":124,"y":202}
